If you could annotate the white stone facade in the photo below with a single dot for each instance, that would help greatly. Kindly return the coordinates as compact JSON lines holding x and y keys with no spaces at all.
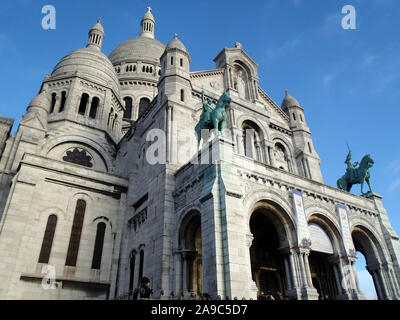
{"x":82,"y":207}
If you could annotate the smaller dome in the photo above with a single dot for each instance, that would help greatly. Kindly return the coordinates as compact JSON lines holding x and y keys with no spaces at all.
{"x":90,"y":62}
{"x":148,"y":15}
{"x":289,"y":101}
{"x":175,"y":43}
{"x":98,"y":26}
{"x":41,"y":100}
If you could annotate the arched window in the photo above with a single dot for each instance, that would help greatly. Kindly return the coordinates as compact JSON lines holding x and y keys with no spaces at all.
{"x":301,"y":118}
{"x":309,"y":147}
{"x":143,"y":104}
{"x":294,"y":116}
{"x":141,"y":263}
{"x":53,"y":102}
{"x":128,"y":108}
{"x":109,"y":117}
{"x":252,"y":140}
{"x":281,"y":157}
{"x":181,"y":62}
{"x":83,"y":103}
{"x":182,"y":95}
{"x":48,"y":239}
{"x":144,"y":69}
{"x":115,"y":121}
{"x":63,"y":99}
{"x":172,"y":60}
{"x":93,"y":107}
{"x":98,"y":245}
{"x":76,"y":232}
{"x":132,"y":271}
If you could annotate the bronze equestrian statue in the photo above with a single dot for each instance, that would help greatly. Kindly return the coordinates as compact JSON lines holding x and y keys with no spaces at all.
{"x":356,"y":175}
{"x":212,"y":118}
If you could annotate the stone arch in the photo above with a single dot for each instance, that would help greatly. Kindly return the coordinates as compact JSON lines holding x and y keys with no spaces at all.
{"x":189,"y":262}
{"x":104,"y":219}
{"x":273,"y":233}
{"x":247,"y":117}
{"x":97,"y":147}
{"x":330,"y":227}
{"x":242,"y":63}
{"x":72,"y":204}
{"x":278,"y":139}
{"x":378,"y":263}
{"x":281,"y":219}
{"x":369,"y":243}
{"x":142,"y":107}
{"x":52,"y":210}
{"x":268,"y":194}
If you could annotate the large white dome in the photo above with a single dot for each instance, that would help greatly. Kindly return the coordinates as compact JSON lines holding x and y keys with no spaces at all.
{"x":140,"y":48}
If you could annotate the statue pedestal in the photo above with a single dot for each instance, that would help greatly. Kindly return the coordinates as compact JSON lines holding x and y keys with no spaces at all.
{"x":217,"y":150}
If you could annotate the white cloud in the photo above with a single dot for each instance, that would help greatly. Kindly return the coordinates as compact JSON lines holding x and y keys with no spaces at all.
{"x":394,"y":185}
{"x":327,"y":79}
{"x":394,"y":166}
{"x":287,"y":47}
{"x":367,"y":61}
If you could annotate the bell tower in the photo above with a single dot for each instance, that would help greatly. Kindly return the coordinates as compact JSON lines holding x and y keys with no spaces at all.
{"x":308,"y":161}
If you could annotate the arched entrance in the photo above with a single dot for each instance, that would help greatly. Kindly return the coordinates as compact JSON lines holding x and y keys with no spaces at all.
{"x":322,"y":258}
{"x":366,"y":244}
{"x":191,"y":253}
{"x":269,"y":269}
{"x":322,"y":275}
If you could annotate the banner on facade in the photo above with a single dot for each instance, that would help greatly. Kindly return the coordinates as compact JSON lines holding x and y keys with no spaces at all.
{"x":303,"y":234}
{"x":345,"y":230}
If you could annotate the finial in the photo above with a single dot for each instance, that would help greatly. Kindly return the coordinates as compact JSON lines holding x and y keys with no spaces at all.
{"x":175,"y":36}
{"x":238,"y":45}
{"x":99,"y":20}
{"x":287,"y":92}
{"x":149,"y":9}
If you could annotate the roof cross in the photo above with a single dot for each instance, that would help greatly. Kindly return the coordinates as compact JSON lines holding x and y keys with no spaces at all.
{"x":149,"y":8}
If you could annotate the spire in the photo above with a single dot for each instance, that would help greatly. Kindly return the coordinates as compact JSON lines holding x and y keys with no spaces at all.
{"x":96,"y":36}
{"x":148,"y":24}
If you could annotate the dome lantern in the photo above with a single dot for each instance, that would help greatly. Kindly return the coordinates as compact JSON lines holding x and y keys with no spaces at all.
{"x":96,"y":36}
{"x":148,"y":24}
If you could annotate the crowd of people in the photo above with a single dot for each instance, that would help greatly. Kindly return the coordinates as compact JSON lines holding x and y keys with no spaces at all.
{"x":269,"y":295}
{"x":144,"y":292}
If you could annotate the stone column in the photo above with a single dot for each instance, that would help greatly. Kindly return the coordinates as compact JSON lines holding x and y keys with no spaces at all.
{"x":308,"y":271}
{"x":252,"y":284}
{"x":375,"y":277}
{"x":184,"y":276}
{"x":264,"y":151}
{"x":302,"y":270}
{"x":295,"y":274}
{"x":338,"y":284}
{"x":271,"y":155}
{"x":287,"y":272}
{"x":258,"y":153}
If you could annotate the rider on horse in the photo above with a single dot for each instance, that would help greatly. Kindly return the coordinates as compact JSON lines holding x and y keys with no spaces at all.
{"x":207,"y":108}
{"x":350,"y":166}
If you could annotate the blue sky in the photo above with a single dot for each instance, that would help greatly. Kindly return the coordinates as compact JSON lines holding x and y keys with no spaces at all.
{"x":346,"y":80}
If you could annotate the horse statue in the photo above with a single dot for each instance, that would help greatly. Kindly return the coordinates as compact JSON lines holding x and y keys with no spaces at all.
{"x":356,"y":175}
{"x":212,"y":118}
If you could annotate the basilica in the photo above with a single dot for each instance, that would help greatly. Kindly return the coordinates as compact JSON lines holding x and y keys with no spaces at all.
{"x":85,"y":214}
